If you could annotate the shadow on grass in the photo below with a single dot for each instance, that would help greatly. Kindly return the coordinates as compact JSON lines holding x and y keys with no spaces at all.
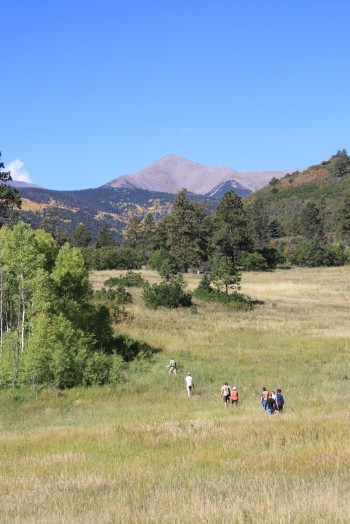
{"x":130,"y":349}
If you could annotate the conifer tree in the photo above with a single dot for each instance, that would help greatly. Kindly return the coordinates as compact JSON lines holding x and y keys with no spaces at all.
{"x":231,"y":235}
{"x":9,"y":198}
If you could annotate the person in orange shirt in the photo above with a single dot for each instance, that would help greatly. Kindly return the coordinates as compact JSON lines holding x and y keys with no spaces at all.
{"x":234,"y":397}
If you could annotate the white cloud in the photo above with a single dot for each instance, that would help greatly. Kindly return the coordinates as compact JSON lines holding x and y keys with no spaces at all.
{"x":17,"y":172}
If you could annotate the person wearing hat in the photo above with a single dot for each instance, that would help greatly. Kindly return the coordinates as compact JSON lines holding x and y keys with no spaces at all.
{"x":189,"y":384}
{"x":234,"y":396}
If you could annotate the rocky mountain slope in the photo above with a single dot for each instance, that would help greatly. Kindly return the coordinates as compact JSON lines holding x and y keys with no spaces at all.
{"x":172,"y":173}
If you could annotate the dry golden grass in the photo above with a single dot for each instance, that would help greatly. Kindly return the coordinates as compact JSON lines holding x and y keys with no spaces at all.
{"x":143,"y":452}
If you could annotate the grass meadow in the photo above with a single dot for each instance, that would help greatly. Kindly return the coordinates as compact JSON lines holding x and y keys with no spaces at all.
{"x":142,"y":452}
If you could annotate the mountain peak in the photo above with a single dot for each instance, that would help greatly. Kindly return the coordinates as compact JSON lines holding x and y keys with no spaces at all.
{"x":171,"y":173}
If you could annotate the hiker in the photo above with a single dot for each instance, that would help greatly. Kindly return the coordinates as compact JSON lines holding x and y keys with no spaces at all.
{"x":234,"y":396}
{"x":279,"y":401}
{"x":189,"y":384}
{"x":270,"y":404}
{"x":263,"y":398}
{"x":225,"y":393}
{"x":172,"y":366}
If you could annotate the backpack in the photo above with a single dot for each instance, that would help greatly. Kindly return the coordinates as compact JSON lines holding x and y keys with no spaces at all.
{"x":226,"y":390}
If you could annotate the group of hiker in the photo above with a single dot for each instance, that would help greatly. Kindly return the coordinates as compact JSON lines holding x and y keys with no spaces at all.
{"x":229,"y":395}
{"x":271,"y":401}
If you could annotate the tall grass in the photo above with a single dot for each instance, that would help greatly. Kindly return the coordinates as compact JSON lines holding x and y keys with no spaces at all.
{"x":144,"y":452}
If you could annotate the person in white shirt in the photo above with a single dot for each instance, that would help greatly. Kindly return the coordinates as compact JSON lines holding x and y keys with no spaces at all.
{"x":189,"y":384}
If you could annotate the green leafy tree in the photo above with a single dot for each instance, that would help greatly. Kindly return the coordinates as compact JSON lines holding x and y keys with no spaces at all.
{"x":24,"y":279}
{"x":71,"y":282}
{"x":50,"y":328}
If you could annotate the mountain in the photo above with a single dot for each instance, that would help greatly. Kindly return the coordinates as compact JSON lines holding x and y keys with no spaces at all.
{"x":93,"y":207}
{"x":18,"y":183}
{"x":172,"y":173}
{"x":151,"y":190}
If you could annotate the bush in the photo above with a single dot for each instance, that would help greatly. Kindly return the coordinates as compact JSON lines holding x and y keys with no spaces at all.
{"x":130,"y":279}
{"x":118,"y":296}
{"x":161,"y":261}
{"x":117,"y":369}
{"x":206,"y":293}
{"x":169,"y":294}
{"x":234,"y":301}
{"x":97,"y":369}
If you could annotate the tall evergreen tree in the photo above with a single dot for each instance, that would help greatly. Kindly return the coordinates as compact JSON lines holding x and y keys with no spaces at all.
{"x":187,"y":230}
{"x":9,"y":197}
{"x":311,"y":223}
{"x":105,"y":238}
{"x":343,"y":218}
{"x":231,"y":235}
{"x":81,"y":236}
{"x":259,"y":223}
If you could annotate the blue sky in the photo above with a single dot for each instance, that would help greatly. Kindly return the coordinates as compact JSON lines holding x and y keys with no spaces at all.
{"x":96,"y":89}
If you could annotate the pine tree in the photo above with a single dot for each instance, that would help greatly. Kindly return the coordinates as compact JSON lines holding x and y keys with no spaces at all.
{"x":187,"y":230}
{"x":259,"y":223}
{"x":231,"y":235}
{"x":9,"y":198}
{"x":81,"y":236}
{"x":311,"y":223}
{"x":343,"y":218}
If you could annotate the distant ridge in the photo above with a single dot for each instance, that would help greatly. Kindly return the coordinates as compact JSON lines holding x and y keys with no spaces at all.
{"x":172,"y":173}
{"x":18,"y":183}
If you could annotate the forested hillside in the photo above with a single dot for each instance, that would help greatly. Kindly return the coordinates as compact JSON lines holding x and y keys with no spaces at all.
{"x":324,"y":185}
{"x":93,"y":207}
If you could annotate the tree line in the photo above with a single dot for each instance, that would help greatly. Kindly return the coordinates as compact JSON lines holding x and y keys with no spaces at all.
{"x":193,"y":237}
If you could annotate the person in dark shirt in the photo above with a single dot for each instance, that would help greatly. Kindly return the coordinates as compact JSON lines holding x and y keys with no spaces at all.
{"x":279,"y":401}
{"x":270,"y":404}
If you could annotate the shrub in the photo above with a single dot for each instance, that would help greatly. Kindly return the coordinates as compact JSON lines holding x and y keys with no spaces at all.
{"x":169,"y":294}
{"x":97,"y":369}
{"x":117,"y":369}
{"x":234,"y":301}
{"x":118,"y":296}
{"x":161,"y":257}
{"x":252,"y":261}
{"x":130,"y":279}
